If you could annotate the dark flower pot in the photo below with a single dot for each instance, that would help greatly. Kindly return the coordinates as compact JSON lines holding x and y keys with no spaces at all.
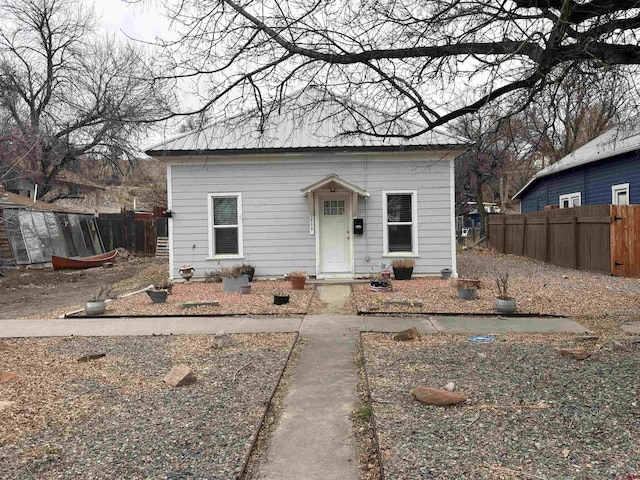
{"x":280,"y":299}
{"x":157,"y":296}
{"x":249,"y":271}
{"x":400,"y":273}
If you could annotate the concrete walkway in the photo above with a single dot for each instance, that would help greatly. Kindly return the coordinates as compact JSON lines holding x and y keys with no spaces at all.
{"x":332,"y":324}
{"x":314,"y":438}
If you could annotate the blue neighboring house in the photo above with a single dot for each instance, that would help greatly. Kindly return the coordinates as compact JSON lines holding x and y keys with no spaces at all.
{"x":605,"y":171}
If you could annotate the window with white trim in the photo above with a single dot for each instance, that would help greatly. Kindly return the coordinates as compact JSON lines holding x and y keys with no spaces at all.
{"x":620,"y":194}
{"x":400,"y":221}
{"x":225,"y":225}
{"x":571,"y":200}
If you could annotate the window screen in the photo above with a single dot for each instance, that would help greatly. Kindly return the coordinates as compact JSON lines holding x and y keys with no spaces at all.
{"x":225,"y":226}
{"x":400,"y":222}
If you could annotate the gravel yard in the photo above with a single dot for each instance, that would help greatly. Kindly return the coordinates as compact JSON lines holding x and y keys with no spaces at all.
{"x":258,"y":302}
{"x":600,"y":302}
{"x":115,"y":418}
{"x":530,"y":413}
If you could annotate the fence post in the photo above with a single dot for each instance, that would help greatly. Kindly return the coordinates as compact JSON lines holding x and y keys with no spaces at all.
{"x":524,"y":234}
{"x":546,"y":239}
{"x":576,"y":243}
{"x":504,"y":235}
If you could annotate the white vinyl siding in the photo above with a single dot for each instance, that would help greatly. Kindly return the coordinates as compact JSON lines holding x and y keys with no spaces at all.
{"x":225,"y":225}
{"x":571,"y":200}
{"x":620,"y":194}
{"x":400,"y":220}
{"x":275,"y":215}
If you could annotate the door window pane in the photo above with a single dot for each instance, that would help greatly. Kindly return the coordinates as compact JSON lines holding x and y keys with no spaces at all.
{"x":334,"y":207}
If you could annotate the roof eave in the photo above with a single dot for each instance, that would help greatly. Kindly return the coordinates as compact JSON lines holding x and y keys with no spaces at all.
{"x":337,"y":149}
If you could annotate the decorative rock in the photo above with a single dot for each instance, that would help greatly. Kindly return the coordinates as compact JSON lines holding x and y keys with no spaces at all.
{"x":223,"y":341}
{"x":4,"y":404}
{"x":93,"y":356}
{"x":406,"y":335}
{"x":577,"y":353}
{"x":8,"y":377}
{"x":180,"y":375}
{"x":436,"y":396}
{"x":450,"y":387}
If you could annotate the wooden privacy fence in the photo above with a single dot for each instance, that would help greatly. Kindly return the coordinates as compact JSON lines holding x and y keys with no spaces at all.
{"x":598,"y":238}
{"x":134,"y":231}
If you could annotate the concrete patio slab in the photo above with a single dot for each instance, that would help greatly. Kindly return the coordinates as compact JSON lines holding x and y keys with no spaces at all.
{"x":268,"y":324}
{"x":545,"y":325}
{"x":499,"y":324}
{"x":331,"y":324}
{"x":398,"y":324}
{"x":202,"y":325}
{"x":334,"y":297}
{"x":469,"y":324}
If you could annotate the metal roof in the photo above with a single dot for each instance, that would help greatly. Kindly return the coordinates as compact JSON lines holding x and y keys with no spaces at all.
{"x":613,"y":142}
{"x":304,"y":122}
{"x":13,"y":200}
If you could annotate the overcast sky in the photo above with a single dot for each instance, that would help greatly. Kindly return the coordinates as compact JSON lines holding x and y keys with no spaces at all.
{"x":143,"y":22}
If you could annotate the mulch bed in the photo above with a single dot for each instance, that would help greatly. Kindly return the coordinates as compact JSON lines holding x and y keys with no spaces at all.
{"x":114,"y":417}
{"x":530,"y":413}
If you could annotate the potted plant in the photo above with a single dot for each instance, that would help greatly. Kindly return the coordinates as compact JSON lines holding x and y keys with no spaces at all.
{"x":96,"y":304}
{"x":504,"y":303}
{"x":403,"y":268}
{"x":232,"y":278}
{"x":248,"y":269}
{"x":381,"y":283}
{"x":467,"y":288}
{"x":298,"y":280}
{"x":280,"y":299}
{"x":160,"y":291}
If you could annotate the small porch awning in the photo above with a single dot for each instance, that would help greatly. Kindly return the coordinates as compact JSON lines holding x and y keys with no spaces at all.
{"x":332,"y":182}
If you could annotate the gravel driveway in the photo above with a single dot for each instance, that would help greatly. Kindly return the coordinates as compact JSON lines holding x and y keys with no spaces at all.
{"x":114,"y":418}
{"x":530,"y":413}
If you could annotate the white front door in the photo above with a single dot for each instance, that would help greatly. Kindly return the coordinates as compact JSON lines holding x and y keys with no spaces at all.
{"x":334,"y":235}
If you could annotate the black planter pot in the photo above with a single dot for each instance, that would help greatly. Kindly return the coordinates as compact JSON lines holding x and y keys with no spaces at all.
{"x":249,"y":271}
{"x":280,"y":299}
{"x":400,"y":273}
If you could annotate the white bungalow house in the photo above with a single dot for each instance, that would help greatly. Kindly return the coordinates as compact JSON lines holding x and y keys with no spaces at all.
{"x":299,"y":196}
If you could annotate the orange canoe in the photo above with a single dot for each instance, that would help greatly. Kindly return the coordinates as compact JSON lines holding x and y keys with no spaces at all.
{"x":83,"y":262}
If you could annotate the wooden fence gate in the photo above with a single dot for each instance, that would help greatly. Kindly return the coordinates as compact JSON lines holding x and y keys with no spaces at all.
{"x":132,"y":231}
{"x":598,"y":238}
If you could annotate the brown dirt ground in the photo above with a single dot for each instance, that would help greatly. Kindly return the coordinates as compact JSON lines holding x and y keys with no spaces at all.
{"x":37,"y":292}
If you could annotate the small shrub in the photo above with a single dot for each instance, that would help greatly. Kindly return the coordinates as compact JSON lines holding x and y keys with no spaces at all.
{"x":298,"y":274}
{"x":212,"y":277}
{"x":502,"y":282}
{"x":403,"y":263}
{"x":233,"y":272}
{"x":364,"y":412}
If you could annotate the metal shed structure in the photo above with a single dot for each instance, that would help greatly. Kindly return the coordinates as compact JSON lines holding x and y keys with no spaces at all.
{"x":32,"y":231}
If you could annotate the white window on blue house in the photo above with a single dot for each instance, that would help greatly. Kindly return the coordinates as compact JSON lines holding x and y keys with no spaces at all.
{"x":571,"y":200}
{"x":400,"y":221}
{"x":620,"y":194}
{"x":225,"y":225}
